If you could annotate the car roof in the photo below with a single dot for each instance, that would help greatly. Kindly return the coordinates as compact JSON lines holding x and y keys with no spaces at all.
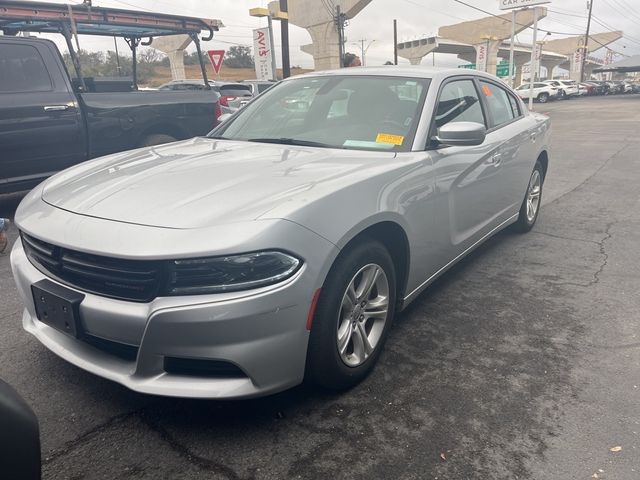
{"x":419,"y":71}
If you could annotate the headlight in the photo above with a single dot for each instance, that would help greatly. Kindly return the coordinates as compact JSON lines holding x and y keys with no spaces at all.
{"x":227,"y":274}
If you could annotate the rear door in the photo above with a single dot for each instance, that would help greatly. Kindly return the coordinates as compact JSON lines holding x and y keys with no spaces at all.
{"x":512,"y":135}
{"x":41,"y":128}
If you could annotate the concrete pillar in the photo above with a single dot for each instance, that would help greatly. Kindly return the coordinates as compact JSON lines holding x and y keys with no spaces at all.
{"x":550,"y":66}
{"x":492,"y":54}
{"x":519,"y":62}
{"x":314,"y":16}
{"x":173,"y":46}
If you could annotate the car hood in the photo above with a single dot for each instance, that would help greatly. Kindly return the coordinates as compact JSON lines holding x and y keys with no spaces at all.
{"x":204,"y":182}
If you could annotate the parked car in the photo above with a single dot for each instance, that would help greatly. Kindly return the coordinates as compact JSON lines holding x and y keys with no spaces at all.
{"x":542,"y":92}
{"x":585,"y":89}
{"x":282,"y":245}
{"x":48,"y":124}
{"x":258,"y":86}
{"x":566,"y":88}
{"x":599,"y":88}
{"x":187,"y":85}
{"x":233,"y":96}
{"x":615,"y":87}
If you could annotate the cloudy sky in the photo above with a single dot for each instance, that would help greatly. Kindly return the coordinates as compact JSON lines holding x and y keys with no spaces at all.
{"x":416,"y":18}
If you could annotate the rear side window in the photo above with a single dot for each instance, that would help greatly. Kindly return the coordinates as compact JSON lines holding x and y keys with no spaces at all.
{"x":235,"y":90}
{"x":22,"y":70}
{"x":459,"y":102}
{"x":499,"y":103}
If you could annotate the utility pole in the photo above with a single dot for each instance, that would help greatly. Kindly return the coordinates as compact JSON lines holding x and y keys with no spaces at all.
{"x":284,"y":36}
{"x":340,"y":20}
{"x":395,"y":42}
{"x":585,"y":52}
{"x":363,"y":49}
{"x":533,"y":68}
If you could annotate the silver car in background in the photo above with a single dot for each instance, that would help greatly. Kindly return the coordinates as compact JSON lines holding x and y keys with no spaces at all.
{"x":281,"y":246}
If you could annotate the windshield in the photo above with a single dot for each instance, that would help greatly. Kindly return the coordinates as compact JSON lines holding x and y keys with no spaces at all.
{"x":234,"y":90}
{"x":356,"y":112}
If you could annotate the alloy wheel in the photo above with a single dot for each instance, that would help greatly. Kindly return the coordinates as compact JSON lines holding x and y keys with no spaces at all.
{"x":533,"y":195}
{"x":363,"y":315}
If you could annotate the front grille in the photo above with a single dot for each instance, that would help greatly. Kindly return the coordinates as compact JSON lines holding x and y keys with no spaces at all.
{"x":136,"y":280}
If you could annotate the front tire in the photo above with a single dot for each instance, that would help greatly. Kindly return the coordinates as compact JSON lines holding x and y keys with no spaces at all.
{"x":543,"y":97}
{"x":353,"y":316}
{"x":530,"y":208}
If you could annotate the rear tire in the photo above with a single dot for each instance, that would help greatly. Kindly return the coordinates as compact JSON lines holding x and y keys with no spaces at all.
{"x":350,"y":325}
{"x":156,"y":139}
{"x":530,"y":208}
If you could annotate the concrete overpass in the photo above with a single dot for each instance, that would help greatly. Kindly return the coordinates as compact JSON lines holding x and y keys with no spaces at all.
{"x":490,"y":32}
{"x":573,"y":47}
{"x":314,"y":16}
{"x":415,"y":50}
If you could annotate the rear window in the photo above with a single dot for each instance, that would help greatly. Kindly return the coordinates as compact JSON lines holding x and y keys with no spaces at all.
{"x":235,"y":90}
{"x":22,"y":70}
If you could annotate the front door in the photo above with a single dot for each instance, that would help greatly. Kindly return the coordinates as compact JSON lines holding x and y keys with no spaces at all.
{"x":40,"y":124}
{"x":468,"y":179}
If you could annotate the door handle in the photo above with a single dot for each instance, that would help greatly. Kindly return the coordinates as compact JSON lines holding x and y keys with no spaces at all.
{"x":496,"y":159}
{"x":56,"y":108}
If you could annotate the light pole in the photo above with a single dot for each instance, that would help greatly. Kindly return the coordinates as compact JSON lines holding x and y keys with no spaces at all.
{"x":278,"y":15}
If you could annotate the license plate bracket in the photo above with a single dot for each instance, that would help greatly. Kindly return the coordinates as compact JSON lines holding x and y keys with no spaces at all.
{"x":58,"y":307}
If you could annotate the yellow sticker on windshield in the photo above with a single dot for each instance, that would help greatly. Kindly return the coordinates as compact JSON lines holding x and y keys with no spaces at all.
{"x":389,"y":138}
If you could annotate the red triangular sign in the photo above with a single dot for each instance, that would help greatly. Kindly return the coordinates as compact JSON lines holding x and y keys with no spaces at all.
{"x":215,"y":57}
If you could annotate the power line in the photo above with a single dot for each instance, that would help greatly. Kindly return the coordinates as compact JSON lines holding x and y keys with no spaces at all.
{"x":519,"y":24}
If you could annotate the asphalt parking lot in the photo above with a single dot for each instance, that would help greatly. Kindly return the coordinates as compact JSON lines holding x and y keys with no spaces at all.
{"x":523,"y":362}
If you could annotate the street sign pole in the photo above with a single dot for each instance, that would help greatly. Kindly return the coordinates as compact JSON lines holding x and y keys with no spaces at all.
{"x":533,"y":56}
{"x":513,"y":36}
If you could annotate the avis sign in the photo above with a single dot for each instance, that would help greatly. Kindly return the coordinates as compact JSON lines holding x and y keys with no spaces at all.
{"x":516,"y":4}
{"x":261,"y":47}
{"x":481,"y":57}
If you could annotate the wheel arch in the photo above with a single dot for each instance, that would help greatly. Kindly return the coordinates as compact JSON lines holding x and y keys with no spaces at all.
{"x":390,"y":231}
{"x":543,"y":158}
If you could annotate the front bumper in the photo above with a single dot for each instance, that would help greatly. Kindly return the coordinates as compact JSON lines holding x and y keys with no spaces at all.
{"x":263,"y":332}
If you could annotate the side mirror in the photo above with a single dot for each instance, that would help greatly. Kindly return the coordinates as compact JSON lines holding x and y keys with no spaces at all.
{"x":224,"y":117}
{"x":462,"y":134}
{"x":19,"y":437}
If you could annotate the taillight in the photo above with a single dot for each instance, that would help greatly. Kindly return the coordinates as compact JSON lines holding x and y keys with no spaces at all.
{"x":224,"y":100}
{"x":218,"y":110}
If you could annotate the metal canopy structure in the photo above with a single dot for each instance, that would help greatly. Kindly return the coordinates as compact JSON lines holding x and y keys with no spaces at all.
{"x":628,"y":65}
{"x":43,"y":17}
{"x":84,"y":19}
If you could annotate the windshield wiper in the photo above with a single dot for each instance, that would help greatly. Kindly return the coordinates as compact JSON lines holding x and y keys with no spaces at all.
{"x":291,"y":141}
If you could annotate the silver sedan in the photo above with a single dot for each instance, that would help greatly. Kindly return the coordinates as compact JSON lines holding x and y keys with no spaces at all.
{"x":280,"y":246}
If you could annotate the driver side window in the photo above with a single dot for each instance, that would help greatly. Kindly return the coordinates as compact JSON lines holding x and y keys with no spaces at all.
{"x":459,"y":102}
